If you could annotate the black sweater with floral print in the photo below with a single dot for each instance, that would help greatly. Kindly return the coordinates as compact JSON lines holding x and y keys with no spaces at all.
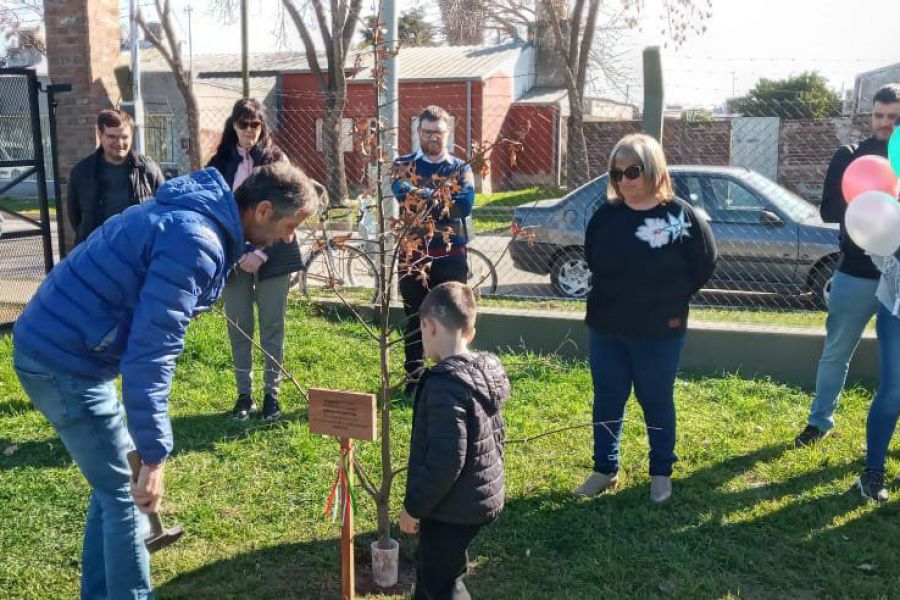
{"x":645,"y":266}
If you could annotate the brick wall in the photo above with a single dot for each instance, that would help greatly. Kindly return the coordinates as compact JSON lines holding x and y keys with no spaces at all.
{"x":805,"y":148}
{"x":695,"y":143}
{"x":82,"y":50}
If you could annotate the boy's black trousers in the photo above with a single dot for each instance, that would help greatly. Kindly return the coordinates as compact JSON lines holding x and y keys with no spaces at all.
{"x":441,"y":560}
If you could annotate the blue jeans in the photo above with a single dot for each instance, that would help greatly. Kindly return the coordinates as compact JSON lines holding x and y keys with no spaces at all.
{"x":851,"y":305}
{"x":886,"y":406}
{"x":650,"y":365}
{"x":91,"y":423}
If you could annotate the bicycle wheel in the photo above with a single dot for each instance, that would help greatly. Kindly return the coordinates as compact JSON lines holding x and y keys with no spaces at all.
{"x":482,"y":277}
{"x":344,"y":268}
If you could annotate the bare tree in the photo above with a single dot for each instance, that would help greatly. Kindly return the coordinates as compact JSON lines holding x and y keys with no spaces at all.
{"x":170,"y":50}
{"x":464,"y":21}
{"x":574,"y":28}
{"x":20,"y":26}
{"x":335,"y":27}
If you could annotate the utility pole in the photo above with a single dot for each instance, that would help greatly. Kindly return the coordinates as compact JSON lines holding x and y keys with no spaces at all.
{"x":189,"y":10}
{"x":245,"y":58}
{"x":136,"y":96}
{"x":388,"y":110}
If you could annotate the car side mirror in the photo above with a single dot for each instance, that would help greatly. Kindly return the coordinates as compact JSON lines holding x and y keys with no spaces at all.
{"x":767,"y":217}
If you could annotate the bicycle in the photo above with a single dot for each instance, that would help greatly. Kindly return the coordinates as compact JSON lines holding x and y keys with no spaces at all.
{"x":335,"y":264}
{"x":481,"y":276}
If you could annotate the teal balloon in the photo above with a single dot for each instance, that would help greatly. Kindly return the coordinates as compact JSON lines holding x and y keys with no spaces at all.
{"x":894,"y":151}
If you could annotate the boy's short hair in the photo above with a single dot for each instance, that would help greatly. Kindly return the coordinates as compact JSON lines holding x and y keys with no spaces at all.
{"x":114,"y":117}
{"x":451,"y":304}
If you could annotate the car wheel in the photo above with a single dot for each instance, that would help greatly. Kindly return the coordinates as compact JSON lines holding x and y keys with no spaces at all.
{"x":570,"y":275}
{"x":820,"y":280}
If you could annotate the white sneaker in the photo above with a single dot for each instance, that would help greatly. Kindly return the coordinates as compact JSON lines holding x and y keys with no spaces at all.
{"x":660,"y":488}
{"x":596,"y":483}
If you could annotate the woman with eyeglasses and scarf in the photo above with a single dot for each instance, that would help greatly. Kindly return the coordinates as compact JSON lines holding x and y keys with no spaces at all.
{"x":648,"y":253}
{"x":261,"y":277}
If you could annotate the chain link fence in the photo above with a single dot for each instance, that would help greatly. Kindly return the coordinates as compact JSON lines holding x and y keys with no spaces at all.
{"x":755,"y":169}
{"x":23,"y":235}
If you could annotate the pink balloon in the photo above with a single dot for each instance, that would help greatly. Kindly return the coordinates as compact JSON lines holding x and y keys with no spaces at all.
{"x":869,"y":174}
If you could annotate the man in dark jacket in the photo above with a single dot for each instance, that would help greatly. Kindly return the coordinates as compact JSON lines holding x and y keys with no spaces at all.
{"x":851,"y":302}
{"x":119,"y":304}
{"x":112,"y":178}
{"x":420,"y":181}
{"x":455,"y":479}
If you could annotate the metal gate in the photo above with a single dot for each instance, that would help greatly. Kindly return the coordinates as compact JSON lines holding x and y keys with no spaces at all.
{"x":26,"y":241}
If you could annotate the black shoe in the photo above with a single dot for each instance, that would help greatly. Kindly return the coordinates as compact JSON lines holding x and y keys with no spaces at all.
{"x":871,"y":485}
{"x":810,"y":436}
{"x":271,"y":408}
{"x":243,"y":408}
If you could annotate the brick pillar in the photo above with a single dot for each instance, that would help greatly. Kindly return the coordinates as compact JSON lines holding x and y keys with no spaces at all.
{"x":83,"y":51}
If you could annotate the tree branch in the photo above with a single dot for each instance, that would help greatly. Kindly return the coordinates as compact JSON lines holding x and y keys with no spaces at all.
{"x":157,"y":43}
{"x":560,"y":44}
{"x":365,"y":481}
{"x":311,"y":57}
{"x":281,"y":368}
{"x":587,"y":40}
{"x":574,"y":31}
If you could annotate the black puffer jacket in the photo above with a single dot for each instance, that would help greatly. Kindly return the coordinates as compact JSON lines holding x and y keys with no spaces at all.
{"x":84,"y":198}
{"x":283,"y":258}
{"x":456,"y":452}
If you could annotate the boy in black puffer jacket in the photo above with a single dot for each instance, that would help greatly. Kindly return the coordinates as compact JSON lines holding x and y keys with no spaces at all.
{"x":455,"y":479}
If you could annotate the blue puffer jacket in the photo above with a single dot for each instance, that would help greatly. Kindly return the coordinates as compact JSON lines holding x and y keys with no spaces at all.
{"x":121,"y":301}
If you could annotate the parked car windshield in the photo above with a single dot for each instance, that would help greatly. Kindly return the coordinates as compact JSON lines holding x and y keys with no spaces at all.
{"x":790,"y":203}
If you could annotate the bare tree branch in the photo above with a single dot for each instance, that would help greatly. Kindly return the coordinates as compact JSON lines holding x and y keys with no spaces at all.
{"x":308,"y":44}
{"x":587,"y":40}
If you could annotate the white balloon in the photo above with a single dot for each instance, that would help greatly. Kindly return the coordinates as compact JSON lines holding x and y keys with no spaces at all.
{"x":873,"y":222}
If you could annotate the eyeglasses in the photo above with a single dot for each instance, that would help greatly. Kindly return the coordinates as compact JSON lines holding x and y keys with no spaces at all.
{"x":249,"y":124}
{"x":433,"y":133}
{"x":632,"y":172}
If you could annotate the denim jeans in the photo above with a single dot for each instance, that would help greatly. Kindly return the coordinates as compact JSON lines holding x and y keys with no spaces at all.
{"x":886,"y":406}
{"x":851,"y":305}
{"x":91,"y":423}
{"x":650,"y":366}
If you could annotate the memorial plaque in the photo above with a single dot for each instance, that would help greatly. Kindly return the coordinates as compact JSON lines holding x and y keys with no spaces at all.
{"x":342,"y":414}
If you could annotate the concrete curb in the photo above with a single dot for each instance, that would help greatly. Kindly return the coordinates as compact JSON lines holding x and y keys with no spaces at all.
{"x":786,"y":354}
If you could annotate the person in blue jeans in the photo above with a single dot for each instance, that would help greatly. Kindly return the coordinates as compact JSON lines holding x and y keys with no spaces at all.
{"x":648,"y":253}
{"x":851,"y":303}
{"x":119,"y":304}
{"x":885,"y":408}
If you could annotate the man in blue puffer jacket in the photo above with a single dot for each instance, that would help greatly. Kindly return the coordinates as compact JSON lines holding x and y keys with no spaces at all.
{"x":120,"y":304}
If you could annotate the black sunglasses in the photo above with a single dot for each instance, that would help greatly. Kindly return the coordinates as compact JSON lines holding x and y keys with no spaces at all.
{"x":632,"y":172}
{"x":251,"y":124}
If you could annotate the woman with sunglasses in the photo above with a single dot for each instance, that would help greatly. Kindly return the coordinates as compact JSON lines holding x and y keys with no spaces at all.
{"x":648,"y":253}
{"x":262,"y":275}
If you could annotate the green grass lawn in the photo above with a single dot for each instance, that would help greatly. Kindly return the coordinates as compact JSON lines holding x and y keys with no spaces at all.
{"x":750,"y":518}
{"x":27,"y":206}
{"x":518,"y":197}
{"x":487,"y":219}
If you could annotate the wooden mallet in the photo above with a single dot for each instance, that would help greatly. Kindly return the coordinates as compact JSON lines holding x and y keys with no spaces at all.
{"x":159,"y":537}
